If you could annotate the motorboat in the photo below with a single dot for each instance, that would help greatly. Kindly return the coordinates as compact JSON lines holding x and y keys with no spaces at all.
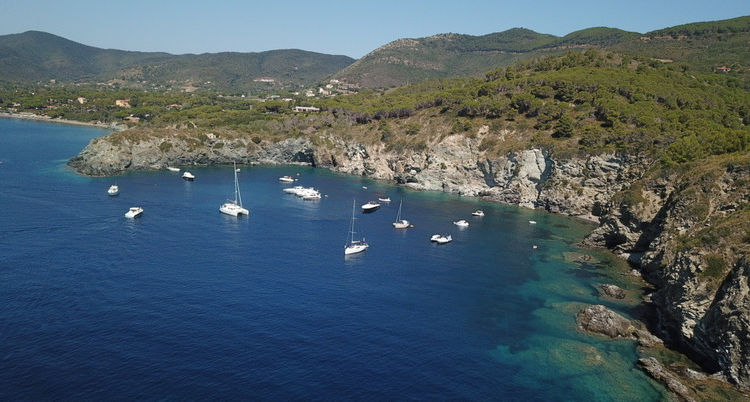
{"x":532,"y":222}
{"x":234,"y":207}
{"x":462,"y":223}
{"x":311,"y":195}
{"x":401,"y":223}
{"x":441,"y":239}
{"x":286,"y":179}
{"x":134,"y":212}
{"x":113,"y":190}
{"x":293,"y":190}
{"x":444,"y":239}
{"x":354,"y":246}
{"x":478,"y":212}
{"x":386,"y":199}
{"x":371,"y":206}
{"x":173,"y":169}
{"x":188,"y":176}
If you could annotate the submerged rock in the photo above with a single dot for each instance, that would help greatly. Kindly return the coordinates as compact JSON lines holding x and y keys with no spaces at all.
{"x":599,"y":319}
{"x":612,"y":291}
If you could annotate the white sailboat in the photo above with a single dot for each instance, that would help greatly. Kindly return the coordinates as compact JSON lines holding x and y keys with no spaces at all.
{"x":401,"y":223}
{"x":354,"y":246}
{"x":234,"y":207}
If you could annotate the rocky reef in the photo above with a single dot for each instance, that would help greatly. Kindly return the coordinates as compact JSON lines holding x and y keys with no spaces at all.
{"x":685,"y":229}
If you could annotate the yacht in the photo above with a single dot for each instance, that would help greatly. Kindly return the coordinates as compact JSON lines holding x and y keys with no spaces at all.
{"x":134,"y":212}
{"x":401,"y":223}
{"x":370,"y":206}
{"x":462,"y":223}
{"x":286,"y":179}
{"x":293,"y":190}
{"x":173,"y":169}
{"x":532,"y":222}
{"x":444,"y":239}
{"x":478,"y":212}
{"x":234,"y":207}
{"x":188,"y":176}
{"x":354,"y":246}
{"x":386,"y":199}
{"x":441,"y":239}
{"x":113,"y":190}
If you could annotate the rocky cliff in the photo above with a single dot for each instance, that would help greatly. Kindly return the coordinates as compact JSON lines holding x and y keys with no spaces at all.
{"x":686,"y":228}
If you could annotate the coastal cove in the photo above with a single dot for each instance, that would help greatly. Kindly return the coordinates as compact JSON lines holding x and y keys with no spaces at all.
{"x":188,"y":303}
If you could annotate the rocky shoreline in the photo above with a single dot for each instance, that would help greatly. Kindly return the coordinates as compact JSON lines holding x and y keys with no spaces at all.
{"x":646,"y":218}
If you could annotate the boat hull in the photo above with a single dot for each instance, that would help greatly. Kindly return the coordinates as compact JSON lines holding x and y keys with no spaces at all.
{"x":233,"y":210}
{"x":355,"y":249}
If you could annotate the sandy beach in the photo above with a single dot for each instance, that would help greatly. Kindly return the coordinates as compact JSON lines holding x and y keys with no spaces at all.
{"x":31,"y":116}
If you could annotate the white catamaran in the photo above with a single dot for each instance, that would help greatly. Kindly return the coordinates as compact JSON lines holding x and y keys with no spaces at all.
{"x":234,"y":207}
{"x":354,"y":246}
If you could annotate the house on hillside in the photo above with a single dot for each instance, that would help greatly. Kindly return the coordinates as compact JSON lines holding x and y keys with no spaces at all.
{"x":306,"y":109}
{"x":722,"y":69}
{"x":123,"y":103}
{"x":81,"y":100}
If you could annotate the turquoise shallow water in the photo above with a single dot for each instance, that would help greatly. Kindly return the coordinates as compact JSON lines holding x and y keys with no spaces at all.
{"x":186,"y":303}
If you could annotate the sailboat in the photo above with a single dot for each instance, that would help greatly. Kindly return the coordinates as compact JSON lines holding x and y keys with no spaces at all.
{"x":401,"y":223}
{"x":354,"y":246}
{"x":234,"y":207}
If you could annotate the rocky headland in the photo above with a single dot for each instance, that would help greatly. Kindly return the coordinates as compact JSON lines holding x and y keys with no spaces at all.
{"x":684,"y":228}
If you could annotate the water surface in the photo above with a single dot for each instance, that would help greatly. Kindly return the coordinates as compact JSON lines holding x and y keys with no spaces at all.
{"x":187,"y":303}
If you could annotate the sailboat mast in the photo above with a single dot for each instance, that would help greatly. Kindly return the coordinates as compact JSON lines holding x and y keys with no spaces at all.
{"x":237,"y":196}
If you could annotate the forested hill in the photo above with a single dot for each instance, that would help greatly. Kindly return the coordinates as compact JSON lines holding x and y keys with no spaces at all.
{"x":35,"y":56}
{"x":702,"y":46}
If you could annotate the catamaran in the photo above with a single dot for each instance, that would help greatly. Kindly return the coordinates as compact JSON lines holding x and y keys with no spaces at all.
{"x":234,"y":207}
{"x":401,"y":223}
{"x":354,"y":246}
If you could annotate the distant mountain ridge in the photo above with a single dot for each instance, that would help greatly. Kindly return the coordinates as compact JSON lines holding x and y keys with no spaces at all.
{"x":707,"y":45}
{"x":38,"y":56}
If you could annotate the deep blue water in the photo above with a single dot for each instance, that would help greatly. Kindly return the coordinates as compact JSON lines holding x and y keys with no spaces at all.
{"x":187,"y":303}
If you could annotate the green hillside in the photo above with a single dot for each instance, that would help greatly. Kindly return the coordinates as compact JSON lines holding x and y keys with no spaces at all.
{"x":37,"y":56}
{"x":699,"y":46}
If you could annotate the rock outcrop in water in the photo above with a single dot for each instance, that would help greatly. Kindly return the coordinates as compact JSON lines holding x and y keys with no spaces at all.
{"x":685,"y":229}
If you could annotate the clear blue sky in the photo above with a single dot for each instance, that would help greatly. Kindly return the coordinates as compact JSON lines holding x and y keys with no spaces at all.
{"x":352,"y":28}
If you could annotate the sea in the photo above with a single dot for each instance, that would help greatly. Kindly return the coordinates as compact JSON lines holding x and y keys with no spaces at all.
{"x":186,"y":303}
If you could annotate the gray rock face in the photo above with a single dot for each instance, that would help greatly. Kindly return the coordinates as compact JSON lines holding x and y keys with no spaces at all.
{"x":660,"y":373}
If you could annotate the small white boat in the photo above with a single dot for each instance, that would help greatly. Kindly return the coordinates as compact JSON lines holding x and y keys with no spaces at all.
{"x":401,"y":223}
{"x":444,"y":239}
{"x":311,"y":195}
{"x":462,"y":223}
{"x":386,"y":199}
{"x":293,"y":190}
{"x":237,"y":170}
{"x":441,"y":239}
{"x":478,"y":212}
{"x":370,"y":206}
{"x":532,"y":222}
{"x":188,"y":176}
{"x":134,"y":212}
{"x":234,"y":207}
{"x":113,"y":190}
{"x":354,"y":246}
{"x":173,"y":169}
{"x":286,"y":179}
{"x":364,"y":187}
